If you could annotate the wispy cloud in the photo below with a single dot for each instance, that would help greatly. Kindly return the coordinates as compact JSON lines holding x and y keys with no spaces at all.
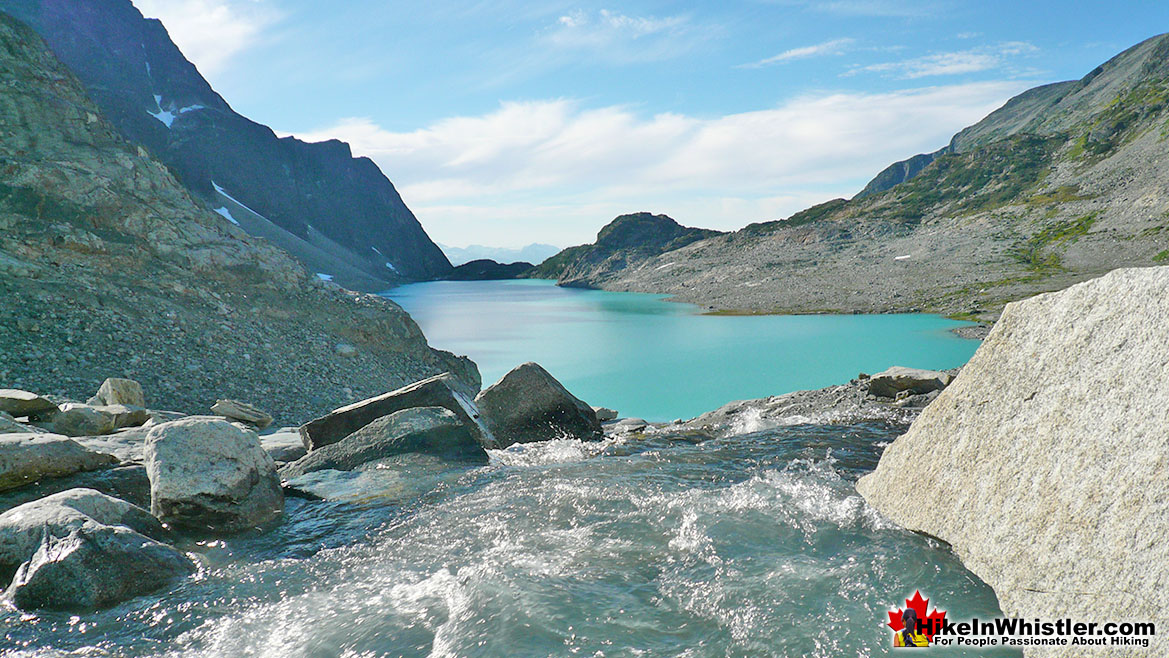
{"x":951,"y":63}
{"x":874,"y":8}
{"x":555,"y":170}
{"x":613,"y":36}
{"x":833,"y":47}
{"x":211,"y":32}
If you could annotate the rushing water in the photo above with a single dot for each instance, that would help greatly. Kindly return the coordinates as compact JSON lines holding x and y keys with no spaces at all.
{"x":663,"y":360}
{"x":669,"y":545}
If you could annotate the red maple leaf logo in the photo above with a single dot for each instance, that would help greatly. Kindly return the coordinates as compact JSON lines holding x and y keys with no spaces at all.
{"x":929,"y":623}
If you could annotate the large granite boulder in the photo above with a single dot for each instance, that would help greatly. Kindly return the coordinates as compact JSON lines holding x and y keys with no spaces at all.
{"x":439,"y":391}
{"x":22,"y":527}
{"x":95,"y":566}
{"x":20,"y":403}
{"x":889,"y":383}
{"x":243,"y":412}
{"x":1046,"y":464}
{"x":27,"y":458}
{"x":528,"y":405}
{"x":431,"y":430}
{"x":207,"y":475}
{"x":116,"y":390}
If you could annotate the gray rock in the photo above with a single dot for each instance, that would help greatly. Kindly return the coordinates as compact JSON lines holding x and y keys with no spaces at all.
{"x":208,"y":475}
{"x":119,"y":391}
{"x":283,"y":446}
{"x":431,"y":430}
{"x":605,"y":414}
{"x":242,"y":411}
{"x":438,"y":391}
{"x":528,"y":405}
{"x":128,"y":483}
{"x":126,"y":444}
{"x":22,"y":527}
{"x":20,"y":403}
{"x":889,"y":383}
{"x":76,"y":419}
{"x":1045,"y":464}
{"x":27,"y":458}
{"x":126,"y":415}
{"x":10,"y":426}
{"x":95,"y":566}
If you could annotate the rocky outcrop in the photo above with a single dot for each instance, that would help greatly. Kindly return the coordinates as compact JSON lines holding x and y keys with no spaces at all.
{"x":207,"y":475}
{"x":439,"y":391}
{"x":1045,"y":464}
{"x":429,"y":430}
{"x":528,"y":404}
{"x":117,"y":390}
{"x":488,"y":270}
{"x":321,"y":201}
{"x":243,"y":412}
{"x":108,"y":265}
{"x":27,"y":458}
{"x":898,"y":379}
{"x":95,"y":566}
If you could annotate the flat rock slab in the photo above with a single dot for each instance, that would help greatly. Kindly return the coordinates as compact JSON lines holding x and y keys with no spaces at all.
{"x":20,"y":403}
{"x":431,"y":430}
{"x":889,"y":383}
{"x":128,"y":483}
{"x":283,"y":446}
{"x":207,"y":475}
{"x":438,"y":391}
{"x":242,"y":411}
{"x":1045,"y":465}
{"x":528,"y":404}
{"x":27,"y":458}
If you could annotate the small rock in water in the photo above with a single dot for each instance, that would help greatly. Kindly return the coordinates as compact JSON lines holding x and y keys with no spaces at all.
{"x":605,"y":414}
{"x":889,"y":383}
{"x":528,"y":405}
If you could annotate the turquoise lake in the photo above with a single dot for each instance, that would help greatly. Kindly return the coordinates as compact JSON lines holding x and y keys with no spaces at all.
{"x":662,"y":360}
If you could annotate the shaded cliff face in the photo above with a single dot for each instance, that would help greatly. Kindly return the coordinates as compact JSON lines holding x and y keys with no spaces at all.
{"x":1061,"y":184}
{"x":109,"y":267}
{"x":622,"y":243}
{"x":153,"y":96}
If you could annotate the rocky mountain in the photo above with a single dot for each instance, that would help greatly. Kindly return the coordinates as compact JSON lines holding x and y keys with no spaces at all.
{"x":625,"y":242}
{"x":110,"y":267}
{"x":336,"y":213}
{"x":486,"y":269}
{"x":1064,"y":182}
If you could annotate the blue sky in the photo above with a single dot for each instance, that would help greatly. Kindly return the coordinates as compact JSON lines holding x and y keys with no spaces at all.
{"x":507,"y":122}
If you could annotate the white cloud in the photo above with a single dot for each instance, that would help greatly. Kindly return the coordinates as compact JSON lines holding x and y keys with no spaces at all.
{"x":833,"y":47}
{"x":211,"y":32}
{"x":952,"y":63}
{"x":555,"y":171}
{"x":618,"y":37}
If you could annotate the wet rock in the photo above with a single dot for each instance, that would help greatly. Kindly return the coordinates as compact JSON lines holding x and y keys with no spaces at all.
{"x":605,"y":414}
{"x":1045,"y":464}
{"x":20,"y":403}
{"x":95,"y":566}
{"x":528,"y":405}
{"x":208,"y":475}
{"x":115,"y":390}
{"x":26,"y":458}
{"x":430,"y":430}
{"x":438,"y":391}
{"x":22,"y":527}
{"x":243,"y":412}
{"x":897,"y":379}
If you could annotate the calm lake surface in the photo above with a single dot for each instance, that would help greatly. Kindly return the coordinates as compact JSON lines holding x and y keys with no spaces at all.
{"x":662,"y":360}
